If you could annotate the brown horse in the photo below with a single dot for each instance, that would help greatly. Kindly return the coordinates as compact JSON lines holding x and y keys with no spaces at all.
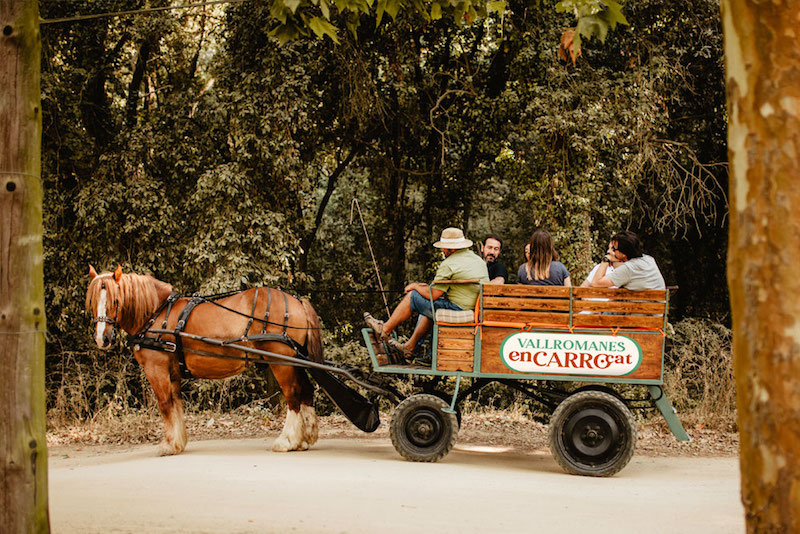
{"x":128,"y":301}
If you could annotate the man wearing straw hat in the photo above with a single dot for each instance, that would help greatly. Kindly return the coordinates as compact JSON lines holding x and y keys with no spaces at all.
{"x":460,"y":263}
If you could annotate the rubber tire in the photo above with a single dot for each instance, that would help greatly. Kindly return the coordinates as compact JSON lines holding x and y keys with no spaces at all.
{"x":421,"y":430}
{"x":447,"y":398}
{"x":606,"y":416}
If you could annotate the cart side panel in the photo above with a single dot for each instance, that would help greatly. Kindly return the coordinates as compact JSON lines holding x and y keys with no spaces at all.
{"x":574,"y":315}
{"x":651,"y":344}
{"x":455,"y":348}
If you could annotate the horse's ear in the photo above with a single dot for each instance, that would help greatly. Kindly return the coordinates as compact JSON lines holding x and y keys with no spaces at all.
{"x":118,"y":273}
{"x":92,"y":272}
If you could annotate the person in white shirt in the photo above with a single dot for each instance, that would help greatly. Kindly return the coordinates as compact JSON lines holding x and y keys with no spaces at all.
{"x":609,"y":269}
{"x":637,"y":271}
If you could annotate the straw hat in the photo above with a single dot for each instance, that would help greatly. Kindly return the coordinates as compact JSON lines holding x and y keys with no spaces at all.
{"x":453,"y":238}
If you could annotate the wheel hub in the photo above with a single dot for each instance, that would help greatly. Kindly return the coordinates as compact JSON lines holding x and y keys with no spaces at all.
{"x":592,"y":435}
{"x":424,"y":428}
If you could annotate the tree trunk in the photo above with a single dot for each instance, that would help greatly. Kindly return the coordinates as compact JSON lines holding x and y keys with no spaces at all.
{"x":23,"y":451}
{"x":762,"y":54}
{"x":136,"y":82}
{"x":308,"y":240}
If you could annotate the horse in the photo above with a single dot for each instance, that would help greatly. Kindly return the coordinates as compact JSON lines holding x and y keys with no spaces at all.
{"x":132,"y":302}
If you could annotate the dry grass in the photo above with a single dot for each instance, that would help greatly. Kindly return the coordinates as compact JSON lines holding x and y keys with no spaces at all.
{"x":699,"y":376}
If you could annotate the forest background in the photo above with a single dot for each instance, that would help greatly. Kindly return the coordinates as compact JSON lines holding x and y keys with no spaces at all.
{"x":190,"y":145}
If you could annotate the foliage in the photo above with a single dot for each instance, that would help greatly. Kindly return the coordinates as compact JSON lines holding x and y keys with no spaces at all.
{"x":192,"y":146}
{"x":292,"y":19}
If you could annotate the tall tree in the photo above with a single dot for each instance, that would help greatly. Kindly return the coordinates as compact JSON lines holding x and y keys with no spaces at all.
{"x":762,"y":54}
{"x":23,"y":449}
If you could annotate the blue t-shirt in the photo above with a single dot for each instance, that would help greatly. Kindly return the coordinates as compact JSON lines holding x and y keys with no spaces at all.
{"x":558,"y":273}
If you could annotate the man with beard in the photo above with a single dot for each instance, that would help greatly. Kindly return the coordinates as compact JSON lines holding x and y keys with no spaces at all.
{"x":490,"y":250}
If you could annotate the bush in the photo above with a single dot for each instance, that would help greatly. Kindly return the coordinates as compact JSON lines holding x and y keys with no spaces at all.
{"x":698,"y":373}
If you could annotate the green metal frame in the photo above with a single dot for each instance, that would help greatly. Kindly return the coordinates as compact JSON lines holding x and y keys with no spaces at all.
{"x":654,"y":386}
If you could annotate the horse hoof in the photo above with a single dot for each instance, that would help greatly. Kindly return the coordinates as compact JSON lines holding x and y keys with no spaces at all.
{"x":165,"y":449}
{"x":303,"y":446}
{"x":281,"y":445}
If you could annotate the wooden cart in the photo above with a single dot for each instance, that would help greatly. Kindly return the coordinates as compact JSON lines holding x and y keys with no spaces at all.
{"x":536,"y":339}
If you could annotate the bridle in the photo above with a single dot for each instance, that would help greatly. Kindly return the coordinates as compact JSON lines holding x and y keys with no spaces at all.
{"x":113,"y":321}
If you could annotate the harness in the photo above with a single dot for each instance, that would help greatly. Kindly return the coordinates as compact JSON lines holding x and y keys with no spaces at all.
{"x":142,"y":340}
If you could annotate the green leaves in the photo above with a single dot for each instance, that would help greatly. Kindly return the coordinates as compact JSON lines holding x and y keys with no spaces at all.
{"x":594,"y":19}
{"x":285,"y":33}
{"x":325,"y":8}
{"x":392,"y":7}
{"x":322,"y":27}
{"x":496,"y":6}
{"x":292,"y":5}
{"x":298,"y":18}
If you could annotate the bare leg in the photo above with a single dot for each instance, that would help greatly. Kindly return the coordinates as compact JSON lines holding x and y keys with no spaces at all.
{"x":401,"y":313}
{"x":423,"y":325}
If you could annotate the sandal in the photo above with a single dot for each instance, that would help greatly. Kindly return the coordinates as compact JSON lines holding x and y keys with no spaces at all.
{"x":400,"y":349}
{"x":376,"y":325}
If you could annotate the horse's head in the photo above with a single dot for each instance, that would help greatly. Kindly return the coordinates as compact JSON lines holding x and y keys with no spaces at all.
{"x":103,"y":301}
{"x":125,"y":301}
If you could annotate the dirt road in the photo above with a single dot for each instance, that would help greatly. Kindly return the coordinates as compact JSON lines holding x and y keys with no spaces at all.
{"x":362,"y":485}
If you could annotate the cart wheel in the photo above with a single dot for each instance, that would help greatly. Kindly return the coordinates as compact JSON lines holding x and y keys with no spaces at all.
{"x":592,"y":433}
{"x":446,"y":398}
{"x":421,"y":431}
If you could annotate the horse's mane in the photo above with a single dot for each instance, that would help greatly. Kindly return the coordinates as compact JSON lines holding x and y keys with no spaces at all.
{"x":136,"y":294}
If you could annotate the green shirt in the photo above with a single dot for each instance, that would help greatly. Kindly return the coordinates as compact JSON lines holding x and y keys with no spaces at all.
{"x":462,"y":265}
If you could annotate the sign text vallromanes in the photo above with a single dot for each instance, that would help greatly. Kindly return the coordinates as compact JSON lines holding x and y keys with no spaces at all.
{"x":530,"y":352}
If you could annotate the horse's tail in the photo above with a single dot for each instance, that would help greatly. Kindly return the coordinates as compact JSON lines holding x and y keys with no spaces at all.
{"x":314,"y":339}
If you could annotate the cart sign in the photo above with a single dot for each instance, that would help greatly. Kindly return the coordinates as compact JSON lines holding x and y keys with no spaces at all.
{"x":571,"y":354}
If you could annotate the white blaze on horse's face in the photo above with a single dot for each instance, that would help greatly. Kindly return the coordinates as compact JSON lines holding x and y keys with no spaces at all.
{"x":99,"y":336}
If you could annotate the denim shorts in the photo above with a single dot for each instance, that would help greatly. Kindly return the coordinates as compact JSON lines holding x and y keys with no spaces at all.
{"x":422,"y":305}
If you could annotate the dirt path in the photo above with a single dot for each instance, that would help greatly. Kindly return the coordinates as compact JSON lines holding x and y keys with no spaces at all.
{"x":362,"y":485}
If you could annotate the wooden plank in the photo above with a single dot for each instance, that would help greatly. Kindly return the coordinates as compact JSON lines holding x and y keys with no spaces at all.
{"x":516,"y":303}
{"x":455,"y":360}
{"x":658,"y":295}
{"x":453,"y":355}
{"x":376,"y":346}
{"x":492,"y":338}
{"x":456,"y":343}
{"x":622,"y":321}
{"x":520,"y":290}
{"x":455,"y":365}
{"x":652,"y":348}
{"x":650,"y":368}
{"x":513,"y":316}
{"x":617,"y":306}
{"x":454,"y":331}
